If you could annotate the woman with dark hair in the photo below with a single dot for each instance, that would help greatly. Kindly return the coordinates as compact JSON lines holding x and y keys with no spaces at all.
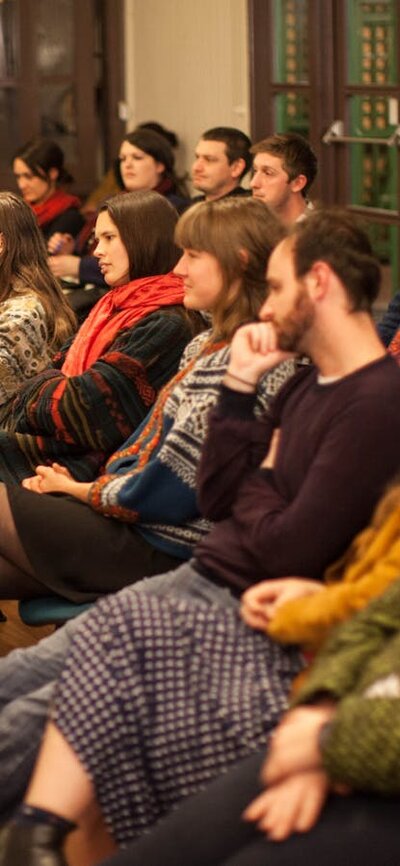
{"x":40,"y":174}
{"x":35,"y":318}
{"x":99,"y":389}
{"x":146,"y":162}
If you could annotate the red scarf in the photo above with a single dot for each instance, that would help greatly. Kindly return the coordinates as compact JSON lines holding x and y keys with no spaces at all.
{"x":58,"y":202}
{"x":120,"y":308}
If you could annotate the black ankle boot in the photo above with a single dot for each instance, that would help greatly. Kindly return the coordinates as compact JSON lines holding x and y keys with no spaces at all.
{"x":31,"y":845}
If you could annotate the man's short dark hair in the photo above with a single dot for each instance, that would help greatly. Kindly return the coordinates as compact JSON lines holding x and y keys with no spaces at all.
{"x":237,"y":144}
{"x":295,"y":152}
{"x":334,"y":236}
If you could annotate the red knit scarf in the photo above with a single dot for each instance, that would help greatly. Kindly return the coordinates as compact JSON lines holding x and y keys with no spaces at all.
{"x":58,"y":202}
{"x":119,"y":309}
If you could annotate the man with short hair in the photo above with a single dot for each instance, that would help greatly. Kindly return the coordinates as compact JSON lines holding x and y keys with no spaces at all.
{"x":284,"y":167}
{"x":222,"y":158}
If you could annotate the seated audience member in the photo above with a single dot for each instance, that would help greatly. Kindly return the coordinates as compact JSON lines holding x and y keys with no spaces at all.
{"x":222,"y":158}
{"x":370,"y":565}
{"x":40,"y":174}
{"x":35,"y":318}
{"x":342,"y":736}
{"x":217,"y":688}
{"x":149,"y":484}
{"x":98,"y":391}
{"x":146,"y":162}
{"x":112,"y":183}
{"x":284,"y":168}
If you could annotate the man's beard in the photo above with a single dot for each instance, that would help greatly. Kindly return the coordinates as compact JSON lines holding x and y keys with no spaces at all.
{"x":295,"y":325}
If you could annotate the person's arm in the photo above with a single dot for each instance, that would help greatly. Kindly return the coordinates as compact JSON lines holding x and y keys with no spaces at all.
{"x":308,"y":621}
{"x":57,"y":479}
{"x":338,"y":664}
{"x":60,"y":244}
{"x":304,"y":534}
{"x":361,"y":746}
{"x":236,"y":441}
{"x":64,"y":266}
{"x":89,"y":272}
{"x":23,"y":345}
{"x":261,"y":602}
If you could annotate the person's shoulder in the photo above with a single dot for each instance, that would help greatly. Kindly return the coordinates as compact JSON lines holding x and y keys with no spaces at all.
{"x":195,"y":346}
{"x":178,"y":201}
{"x":296,"y":384}
{"x":384,"y":373}
{"x":155,"y":327}
{"x":21,"y":303}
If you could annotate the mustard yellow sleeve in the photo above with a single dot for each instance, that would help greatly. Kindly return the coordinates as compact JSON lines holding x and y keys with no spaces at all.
{"x":308,"y":621}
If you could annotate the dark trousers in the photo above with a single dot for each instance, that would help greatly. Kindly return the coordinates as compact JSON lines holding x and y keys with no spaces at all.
{"x":207,"y":831}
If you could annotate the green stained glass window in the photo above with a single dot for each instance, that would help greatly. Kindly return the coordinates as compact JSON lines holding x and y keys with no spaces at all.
{"x":292,"y":113}
{"x":373,"y":166}
{"x":291,"y":43}
{"x":372,"y":48}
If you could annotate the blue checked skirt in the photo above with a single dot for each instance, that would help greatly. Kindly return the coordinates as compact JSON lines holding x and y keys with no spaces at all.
{"x":160,"y":695}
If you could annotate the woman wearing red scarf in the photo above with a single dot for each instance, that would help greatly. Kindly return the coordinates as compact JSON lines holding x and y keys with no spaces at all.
{"x":146,"y":162}
{"x":40,"y":174}
{"x":97,"y":391}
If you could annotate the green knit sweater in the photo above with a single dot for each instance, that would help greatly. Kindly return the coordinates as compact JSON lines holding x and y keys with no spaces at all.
{"x":360,"y":667}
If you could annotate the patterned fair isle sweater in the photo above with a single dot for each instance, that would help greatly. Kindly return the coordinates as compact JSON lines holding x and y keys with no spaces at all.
{"x":23,"y":345}
{"x":152,"y":480}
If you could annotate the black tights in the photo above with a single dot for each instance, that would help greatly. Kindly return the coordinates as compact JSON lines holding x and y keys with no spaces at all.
{"x":17,"y":578}
{"x":207,"y":830}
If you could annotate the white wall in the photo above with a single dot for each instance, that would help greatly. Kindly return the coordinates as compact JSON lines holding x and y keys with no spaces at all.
{"x":187,"y":66}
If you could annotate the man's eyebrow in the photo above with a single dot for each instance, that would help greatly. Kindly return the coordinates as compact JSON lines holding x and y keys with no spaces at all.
{"x":263,"y":166}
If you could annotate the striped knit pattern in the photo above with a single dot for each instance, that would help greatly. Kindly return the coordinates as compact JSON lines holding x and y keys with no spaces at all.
{"x":80,"y":420}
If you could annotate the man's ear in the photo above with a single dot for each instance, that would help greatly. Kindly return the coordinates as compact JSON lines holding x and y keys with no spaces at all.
{"x":237,"y":167}
{"x":53,"y":174}
{"x":2,"y":243}
{"x":244,"y":257}
{"x":317,"y":280}
{"x":298,"y":183}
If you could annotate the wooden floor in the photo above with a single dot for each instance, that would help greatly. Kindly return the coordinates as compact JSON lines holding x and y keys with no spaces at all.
{"x":14,"y":633}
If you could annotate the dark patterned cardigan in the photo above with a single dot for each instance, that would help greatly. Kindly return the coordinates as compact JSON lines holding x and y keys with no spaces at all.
{"x":80,"y":421}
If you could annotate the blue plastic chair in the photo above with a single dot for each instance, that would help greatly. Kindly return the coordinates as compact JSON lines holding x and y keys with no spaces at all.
{"x":52,"y":610}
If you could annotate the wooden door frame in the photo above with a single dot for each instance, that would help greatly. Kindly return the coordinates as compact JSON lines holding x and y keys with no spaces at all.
{"x":263,"y":88}
{"x":27,"y":84}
